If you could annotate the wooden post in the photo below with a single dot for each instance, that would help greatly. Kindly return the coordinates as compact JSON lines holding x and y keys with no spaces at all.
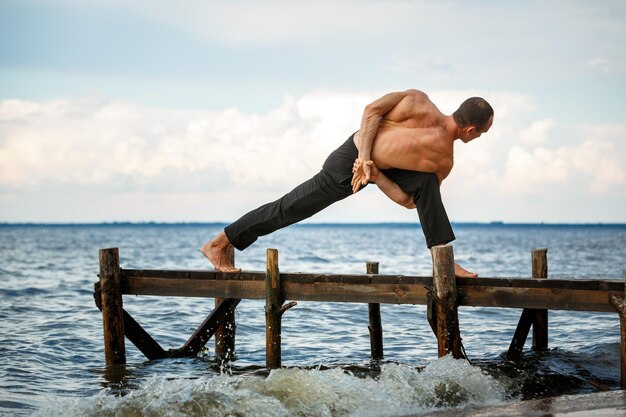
{"x":619,"y":303}
{"x":622,"y":326}
{"x":111,"y":301}
{"x":225,"y":333}
{"x":444,"y":282}
{"x":273,"y":303}
{"x":540,"y":317}
{"x":274,"y":310}
{"x":375,"y":326}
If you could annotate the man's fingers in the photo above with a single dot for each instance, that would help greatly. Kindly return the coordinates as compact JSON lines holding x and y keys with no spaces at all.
{"x":356,"y":182}
{"x":367,"y":170}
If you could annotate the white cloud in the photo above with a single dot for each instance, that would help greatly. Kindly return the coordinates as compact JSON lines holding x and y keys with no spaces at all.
{"x":79,"y":142}
{"x":132,"y":152}
{"x":530,"y":171}
{"x":538,"y":132}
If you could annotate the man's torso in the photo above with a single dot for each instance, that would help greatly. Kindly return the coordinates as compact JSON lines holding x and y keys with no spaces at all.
{"x":413,"y":136}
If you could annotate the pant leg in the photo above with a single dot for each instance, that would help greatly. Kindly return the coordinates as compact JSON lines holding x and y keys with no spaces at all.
{"x":302,"y":202}
{"x":330,"y":185}
{"x":424,"y":187}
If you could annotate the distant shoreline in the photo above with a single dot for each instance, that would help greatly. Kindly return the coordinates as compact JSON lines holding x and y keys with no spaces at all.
{"x":311,"y":225}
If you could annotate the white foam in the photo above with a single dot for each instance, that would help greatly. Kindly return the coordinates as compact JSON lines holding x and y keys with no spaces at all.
{"x":398,"y":390}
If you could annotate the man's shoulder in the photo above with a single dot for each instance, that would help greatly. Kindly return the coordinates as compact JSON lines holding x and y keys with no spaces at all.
{"x":412,"y":92}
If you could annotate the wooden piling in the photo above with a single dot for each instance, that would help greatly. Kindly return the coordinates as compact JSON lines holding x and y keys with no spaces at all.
{"x":274,"y":310}
{"x":225,"y":333}
{"x":622,"y":322}
{"x":537,"y":318}
{"x":375,"y":324}
{"x":112,"y":312}
{"x":273,"y":302}
{"x":619,"y":304}
{"x":444,"y":282}
{"x":540,"y":316}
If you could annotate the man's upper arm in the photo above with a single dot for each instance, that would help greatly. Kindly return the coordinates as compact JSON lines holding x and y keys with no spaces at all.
{"x":387,"y":102}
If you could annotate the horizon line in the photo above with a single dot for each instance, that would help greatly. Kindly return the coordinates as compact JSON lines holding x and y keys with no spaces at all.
{"x":308,"y":224}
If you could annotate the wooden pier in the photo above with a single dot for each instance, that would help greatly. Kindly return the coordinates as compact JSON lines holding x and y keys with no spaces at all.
{"x":442,"y":293}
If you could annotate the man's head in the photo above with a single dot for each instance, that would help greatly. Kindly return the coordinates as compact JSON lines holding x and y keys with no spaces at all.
{"x":473,"y":118}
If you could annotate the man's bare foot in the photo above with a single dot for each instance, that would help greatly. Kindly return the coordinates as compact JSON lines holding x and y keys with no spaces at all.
{"x":216,"y":251}
{"x":460,"y":272}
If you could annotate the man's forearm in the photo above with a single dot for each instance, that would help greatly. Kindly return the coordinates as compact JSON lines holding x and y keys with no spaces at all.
{"x":372,"y":116}
{"x":394,"y":192}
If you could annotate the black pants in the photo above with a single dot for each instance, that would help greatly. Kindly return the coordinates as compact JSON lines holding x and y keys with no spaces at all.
{"x":332,"y":184}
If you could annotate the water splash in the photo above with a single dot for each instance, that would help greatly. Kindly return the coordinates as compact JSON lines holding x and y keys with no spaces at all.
{"x":398,"y":390}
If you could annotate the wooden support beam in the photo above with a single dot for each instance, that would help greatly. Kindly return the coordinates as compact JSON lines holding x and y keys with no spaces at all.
{"x":111,"y":301}
{"x":540,"y":316}
{"x":135,"y":333}
{"x":225,"y":333}
{"x":375,"y":324}
{"x":206,"y":330}
{"x":521,"y":333}
{"x":444,"y":282}
{"x":553,"y":294}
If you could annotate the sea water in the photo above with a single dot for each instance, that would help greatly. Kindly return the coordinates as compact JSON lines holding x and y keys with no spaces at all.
{"x":51,"y":347}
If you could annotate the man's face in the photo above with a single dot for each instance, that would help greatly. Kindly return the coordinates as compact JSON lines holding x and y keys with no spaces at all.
{"x":470,"y":133}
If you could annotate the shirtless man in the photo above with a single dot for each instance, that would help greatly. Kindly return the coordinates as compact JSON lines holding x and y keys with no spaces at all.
{"x":405,"y":146}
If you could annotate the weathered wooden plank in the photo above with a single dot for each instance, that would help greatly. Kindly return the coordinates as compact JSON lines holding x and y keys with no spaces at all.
{"x":603,"y":284}
{"x":357,"y":293}
{"x":485,"y":296}
{"x":549,"y":298}
{"x":398,"y":279}
{"x":352,"y":279}
{"x":195,"y":288}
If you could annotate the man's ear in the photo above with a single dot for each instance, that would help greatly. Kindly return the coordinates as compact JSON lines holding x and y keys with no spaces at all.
{"x":471,"y":129}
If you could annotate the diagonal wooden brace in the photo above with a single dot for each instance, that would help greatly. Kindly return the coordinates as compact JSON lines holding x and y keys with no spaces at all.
{"x":135,"y":333}
{"x":208,"y":328}
{"x":521,"y":333}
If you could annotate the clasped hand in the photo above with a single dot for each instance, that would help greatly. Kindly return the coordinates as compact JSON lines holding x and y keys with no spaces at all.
{"x":362,"y":173}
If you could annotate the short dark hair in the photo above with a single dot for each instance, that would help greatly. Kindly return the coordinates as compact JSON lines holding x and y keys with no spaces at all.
{"x":473,"y":111}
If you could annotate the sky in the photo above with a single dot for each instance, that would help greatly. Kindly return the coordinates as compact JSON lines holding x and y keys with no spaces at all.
{"x":199,"y":111}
